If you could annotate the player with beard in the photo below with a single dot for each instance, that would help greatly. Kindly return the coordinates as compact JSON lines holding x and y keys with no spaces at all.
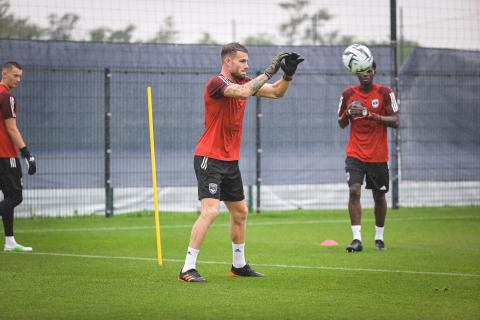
{"x":369,"y":108}
{"x":218,"y":150}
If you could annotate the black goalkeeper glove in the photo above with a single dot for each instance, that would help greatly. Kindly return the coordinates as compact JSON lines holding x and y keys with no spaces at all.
{"x":30,"y":160}
{"x":275,"y":65}
{"x":289,"y":66}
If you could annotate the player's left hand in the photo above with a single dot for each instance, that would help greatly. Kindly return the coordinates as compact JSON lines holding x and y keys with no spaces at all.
{"x":289,"y":66}
{"x":30,"y":160}
{"x":374,"y":116}
{"x":31,"y":164}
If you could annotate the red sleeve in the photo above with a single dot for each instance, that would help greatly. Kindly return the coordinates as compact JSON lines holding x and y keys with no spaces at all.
{"x":342,"y":104}
{"x":216,"y":86}
{"x":391,"y":105}
{"x":8,"y":106}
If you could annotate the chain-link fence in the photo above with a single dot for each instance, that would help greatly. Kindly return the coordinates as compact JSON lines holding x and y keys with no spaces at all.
{"x":83,"y":104}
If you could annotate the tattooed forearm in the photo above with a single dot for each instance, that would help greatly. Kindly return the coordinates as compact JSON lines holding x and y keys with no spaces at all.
{"x":244,"y":91}
{"x":257,"y":83}
{"x":236,"y":89}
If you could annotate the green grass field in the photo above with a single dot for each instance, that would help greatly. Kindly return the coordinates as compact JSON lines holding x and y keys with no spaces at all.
{"x":98,"y":268}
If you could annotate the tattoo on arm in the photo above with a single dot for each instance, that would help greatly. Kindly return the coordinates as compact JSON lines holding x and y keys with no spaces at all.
{"x":236,"y":89}
{"x":247,"y":89}
{"x":255,"y":84}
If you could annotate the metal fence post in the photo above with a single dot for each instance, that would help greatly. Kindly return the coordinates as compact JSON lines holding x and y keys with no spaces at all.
{"x":395,"y":153}
{"x":258,"y":145}
{"x":108,"y":117}
{"x":250,"y":198}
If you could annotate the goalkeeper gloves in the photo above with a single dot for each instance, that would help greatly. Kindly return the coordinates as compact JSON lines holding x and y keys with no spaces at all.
{"x":275,"y":65}
{"x":357,"y":110}
{"x":289,"y":66}
{"x":30,"y":160}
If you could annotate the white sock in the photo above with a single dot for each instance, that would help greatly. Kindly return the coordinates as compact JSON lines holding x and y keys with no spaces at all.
{"x":238,"y":255}
{"x":191,"y":259}
{"x":356,"y":230}
{"x":10,"y":241}
{"x":379,"y":233}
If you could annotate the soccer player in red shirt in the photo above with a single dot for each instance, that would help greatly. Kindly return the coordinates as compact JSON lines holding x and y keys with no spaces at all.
{"x":369,"y":109}
{"x":10,"y":142}
{"x":218,"y":150}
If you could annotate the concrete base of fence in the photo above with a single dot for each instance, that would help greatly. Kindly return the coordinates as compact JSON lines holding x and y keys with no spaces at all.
{"x":73,"y":202}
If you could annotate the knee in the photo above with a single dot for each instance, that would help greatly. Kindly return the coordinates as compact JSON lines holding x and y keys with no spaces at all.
{"x":240,"y":215}
{"x":354,"y":192}
{"x":210,"y":213}
{"x":379,"y":198}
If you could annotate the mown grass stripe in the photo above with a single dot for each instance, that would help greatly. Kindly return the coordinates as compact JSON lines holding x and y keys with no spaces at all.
{"x":250,"y":224}
{"x":452,"y":274}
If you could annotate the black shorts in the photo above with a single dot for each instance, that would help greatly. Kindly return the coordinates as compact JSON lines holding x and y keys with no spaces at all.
{"x":10,"y":175}
{"x":376,"y":173}
{"x":218,"y":179}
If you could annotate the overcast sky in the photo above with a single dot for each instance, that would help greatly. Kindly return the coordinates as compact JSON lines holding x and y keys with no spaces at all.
{"x":434,"y":23}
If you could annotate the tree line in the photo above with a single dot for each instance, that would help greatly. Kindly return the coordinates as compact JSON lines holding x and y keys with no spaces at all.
{"x":305,"y":26}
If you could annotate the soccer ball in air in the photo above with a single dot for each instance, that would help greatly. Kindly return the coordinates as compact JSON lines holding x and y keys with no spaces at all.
{"x":357,"y":58}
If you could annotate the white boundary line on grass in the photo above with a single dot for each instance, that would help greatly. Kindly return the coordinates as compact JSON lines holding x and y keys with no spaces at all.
{"x":252,"y":224}
{"x":285,"y":266}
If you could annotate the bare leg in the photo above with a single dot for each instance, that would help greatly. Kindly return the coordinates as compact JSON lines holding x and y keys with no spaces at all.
{"x":238,"y":220}
{"x":355,"y":211}
{"x":380,"y":208}
{"x":238,"y":226}
{"x":209,"y":212}
{"x":354,"y":206}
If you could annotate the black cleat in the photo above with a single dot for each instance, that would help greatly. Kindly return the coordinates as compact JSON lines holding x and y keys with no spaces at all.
{"x":245,"y":271}
{"x":191,"y":275}
{"x":355,"y":246}
{"x":380,"y":245}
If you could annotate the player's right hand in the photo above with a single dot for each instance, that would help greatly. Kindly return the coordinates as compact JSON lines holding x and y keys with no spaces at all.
{"x":30,"y":160}
{"x":275,"y":65}
{"x":357,"y":110}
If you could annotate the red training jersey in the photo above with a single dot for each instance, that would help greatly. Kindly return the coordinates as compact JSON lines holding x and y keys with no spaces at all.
{"x":368,"y":139}
{"x":223,"y":121}
{"x":8,"y":110}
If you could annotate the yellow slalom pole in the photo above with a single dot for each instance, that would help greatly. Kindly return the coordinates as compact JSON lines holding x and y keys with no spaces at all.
{"x":154,"y":175}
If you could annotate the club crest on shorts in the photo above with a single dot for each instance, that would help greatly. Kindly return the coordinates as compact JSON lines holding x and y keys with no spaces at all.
{"x":375,"y":103}
{"x":348,"y":176}
{"x":212,"y":187}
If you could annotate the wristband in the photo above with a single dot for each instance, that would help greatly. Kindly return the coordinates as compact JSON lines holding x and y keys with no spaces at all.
{"x":287,"y":78}
{"x":25,"y":153}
